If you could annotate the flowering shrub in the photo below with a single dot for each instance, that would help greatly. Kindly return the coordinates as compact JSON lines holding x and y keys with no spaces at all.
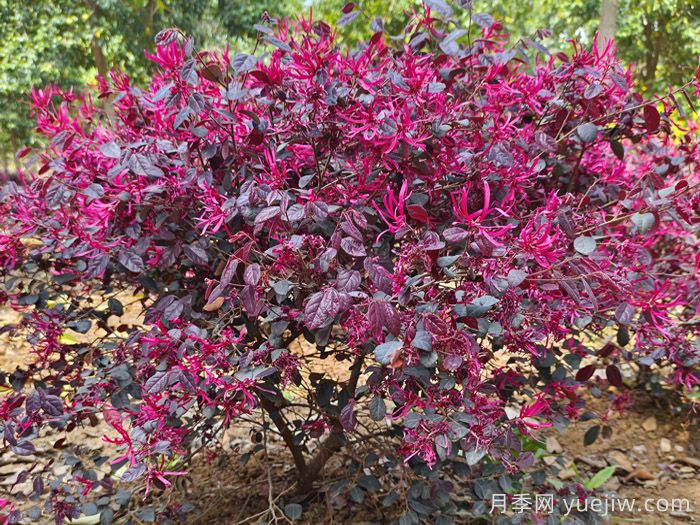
{"x":451,"y":221}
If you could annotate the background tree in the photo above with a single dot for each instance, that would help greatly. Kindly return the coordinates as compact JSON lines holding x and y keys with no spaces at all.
{"x":68,"y":43}
{"x":608,"y":21}
{"x":661,"y":38}
{"x":42,"y":42}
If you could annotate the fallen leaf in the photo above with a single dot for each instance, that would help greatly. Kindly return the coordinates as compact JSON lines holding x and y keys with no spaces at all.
{"x":214,"y":305}
{"x":615,"y":457}
{"x":640,"y":475}
{"x":693,"y":462}
{"x":591,"y":461}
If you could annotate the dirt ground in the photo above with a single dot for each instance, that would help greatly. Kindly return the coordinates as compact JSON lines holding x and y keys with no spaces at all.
{"x":657,"y":456}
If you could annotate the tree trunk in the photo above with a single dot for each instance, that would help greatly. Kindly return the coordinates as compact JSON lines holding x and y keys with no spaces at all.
{"x":15,"y":147}
{"x":103,"y":70}
{"x":608,"y":22}
{"x":655,"y":40}
{"x":98,"y":55}
{"x":308,"y":471}
{"x":147,"y":15}
{"x":5,"y":167}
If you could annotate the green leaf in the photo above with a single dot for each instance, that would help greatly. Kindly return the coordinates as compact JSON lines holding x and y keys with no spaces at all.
{"x":67,"y":339}
{"x":600,"y":478}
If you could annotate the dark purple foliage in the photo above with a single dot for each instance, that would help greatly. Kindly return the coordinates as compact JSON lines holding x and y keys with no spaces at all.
{"x":449,"y":219}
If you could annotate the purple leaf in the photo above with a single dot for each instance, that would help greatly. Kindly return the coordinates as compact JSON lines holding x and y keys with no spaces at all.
{"x":348,"y":419}
{"x":23,"y":448}
{"x":516,"y":277}
{"x":321,"y":308}
{"x":188,"y":381}
{"x":379,"y":276}
{"x":585,"y":373}
{"x":196,"y":254}
{"x":229,"y":271}
{"x":182,"y":116}
{"x":455,"y":235}
{"x":131,"y":261}
{"x":243,"y":62}
{"x":614,"y":376}
{"x":652,"y":119}
{"x":440,"y":6}
{"x":198,"y":103}
{"x":318,"y":209}
{"x":624,"y":313}
{"x":166,"y":36}
{"x":377,"y":408}
{"x":169,"y":307}
{"x":296,"y":213}
{"x":587,"y":131}
{"x":352,"y":230}
{"x":94,"y":191}
{"x":592,"y":91}
{"x":38,"y":485}
{"x":526,"y":460}
{"x":158,"y":382}
{"x":452,"y":362}
{"x":33,"y":402}
{"x":584,"y":245}
{"x":249,"y":299}
{"x":353,"y":247}
{"x":133,"y":473}
{"x":348,"y":18}
{"x":501,"y":155}
{"x":483,"y":20}
{"x":111,"y":150}
{"x":280,"y":44}
{"x":348,"y":280}
{"x":267,"y":214}
{"x":386,"y":352}
{"x":252,"y":274}
{"x":449,"y":44}
{"x":382,"y":314}
{"x":141,"y":165}
{"x":52,"y":405}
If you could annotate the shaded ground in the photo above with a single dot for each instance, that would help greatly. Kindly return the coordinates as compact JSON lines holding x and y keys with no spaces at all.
{"x":657,"y":454}
{"x":648,"y":472}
